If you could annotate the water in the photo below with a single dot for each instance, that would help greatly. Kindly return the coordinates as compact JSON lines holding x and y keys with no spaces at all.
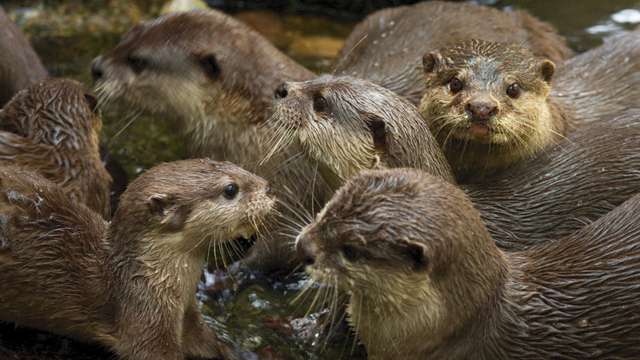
{"x":254,"y":312}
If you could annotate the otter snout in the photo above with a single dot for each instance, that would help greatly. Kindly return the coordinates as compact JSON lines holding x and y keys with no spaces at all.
{"x":97,"y":70}
{"x":481,"y":110}
{"x":304,"y":248}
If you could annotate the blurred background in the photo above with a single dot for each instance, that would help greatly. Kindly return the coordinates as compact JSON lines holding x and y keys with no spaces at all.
{"x":259,"y":317}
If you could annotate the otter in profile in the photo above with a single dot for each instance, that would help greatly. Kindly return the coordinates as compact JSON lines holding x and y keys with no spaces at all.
{"x":426,"y":281}
{"x":216,"y":77}
{"x":488,"y":105}
{"x":387,"y":47}
{"x":544,"y":198}
{"x":308,"y":113}
{"x":53,"y":128}
{"x":129,"y":285}
{"x":19,"y":63}
{"x":491,"y":105}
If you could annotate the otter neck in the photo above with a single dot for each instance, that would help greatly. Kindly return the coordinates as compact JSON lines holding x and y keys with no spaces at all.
{"x":154,"y":264}
{"x":433,"y":316}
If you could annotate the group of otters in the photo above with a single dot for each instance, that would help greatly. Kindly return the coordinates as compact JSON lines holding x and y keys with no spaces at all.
{"x":477,"y":180}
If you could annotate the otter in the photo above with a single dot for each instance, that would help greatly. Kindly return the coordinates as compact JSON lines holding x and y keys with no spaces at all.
{"x":53,"y":128}
{"x":129,"y":285}
{"x":387,"y":47}
{"x":599,"y":84}
{"x":20,"y":66}
{"x":544,"y":198}
{"x":488,"y":105}
{"x":216,"y":77}
{"x":426,"y":280}
{"x":491,"y":105}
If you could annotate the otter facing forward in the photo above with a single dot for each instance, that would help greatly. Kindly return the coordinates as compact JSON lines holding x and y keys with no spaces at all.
{"x":386,"y":48}
{"x":129,"y":285}
{"x":488,"y":105}
{"x":426,"y":280}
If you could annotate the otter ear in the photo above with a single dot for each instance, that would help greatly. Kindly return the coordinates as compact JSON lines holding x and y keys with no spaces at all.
{"x":378,"y":130}
{"x":417,"y":253}
{"x":164,"y":206}
{"x":431,"y":61}
{"x":547,"y":68}
{"x":210,"y":66}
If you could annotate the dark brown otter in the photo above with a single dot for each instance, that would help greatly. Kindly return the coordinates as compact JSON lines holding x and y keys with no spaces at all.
{"x":546,"y":197}
{"x":129,"y":285}
{"x":426,"y":280}
{"x":19,"y":63}
{"x":53,"y":128}
{"x":216,"y":77}
{"x":601,"y":83}
{"x":387,"y":47}
{"x":488,"y":105}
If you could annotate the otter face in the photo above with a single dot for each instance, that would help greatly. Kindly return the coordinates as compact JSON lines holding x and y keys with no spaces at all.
{"x":195,"y":67}
{"x":487,"y":93}
{"x":345,"y":124}
{"x":358,"y":238}
{"x":405,"y":246}
{"x":194,"y":204}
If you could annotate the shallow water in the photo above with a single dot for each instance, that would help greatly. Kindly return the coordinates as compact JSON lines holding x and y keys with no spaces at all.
{"x":254,"y":312}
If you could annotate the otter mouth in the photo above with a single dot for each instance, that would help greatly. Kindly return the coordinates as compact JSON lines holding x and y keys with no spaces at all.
{"x":244,"y":243}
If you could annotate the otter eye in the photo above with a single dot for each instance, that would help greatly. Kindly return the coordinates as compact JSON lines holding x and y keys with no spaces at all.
{"x":350,"y":253}
{"x":137,"y":64}
{"x":513,"y":91}
{"x":211,"y":66}
{"x":455,"y":85}
{"x":231,"y":190}
{"x":319,"y":103}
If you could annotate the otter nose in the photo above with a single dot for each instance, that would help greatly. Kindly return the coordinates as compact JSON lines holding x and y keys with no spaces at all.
{"x":481,"y":111}
{"x":96,"y":68}
{"x":281,"y":91}
{"x":305,"y":253}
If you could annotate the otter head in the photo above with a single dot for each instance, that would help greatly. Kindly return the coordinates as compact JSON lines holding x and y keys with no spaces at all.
{"x":348,"y":125}
{"x":187,"y":207}
{"x":62,"y":116}
{"x":203,"y":68}
{"x":411,"y":251}
{"x":489,"y":95}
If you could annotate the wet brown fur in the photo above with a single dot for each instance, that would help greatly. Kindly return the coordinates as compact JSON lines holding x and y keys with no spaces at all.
{"x":129,"y":285}
{"x":351,"y":133}
{"x":551,"y":195}
{"x":387,"y":47}
{"x":435,"y":286}
{"x":19,"y":63}
{"x":53,"y":128}
{"x":521,"y":127}
{"x":222,"y":116}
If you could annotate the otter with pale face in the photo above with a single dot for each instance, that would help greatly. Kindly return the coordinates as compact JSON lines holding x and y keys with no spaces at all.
{"x":488,"y":105}
{"x":53,"y":128}
{"x":426,"y":281}
{"x":216,"y":77}
{"x":338,"y":123}
{"x":129,"y":285}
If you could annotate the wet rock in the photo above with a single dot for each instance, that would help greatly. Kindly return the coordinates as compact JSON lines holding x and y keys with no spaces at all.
{"x":183,"y":5}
